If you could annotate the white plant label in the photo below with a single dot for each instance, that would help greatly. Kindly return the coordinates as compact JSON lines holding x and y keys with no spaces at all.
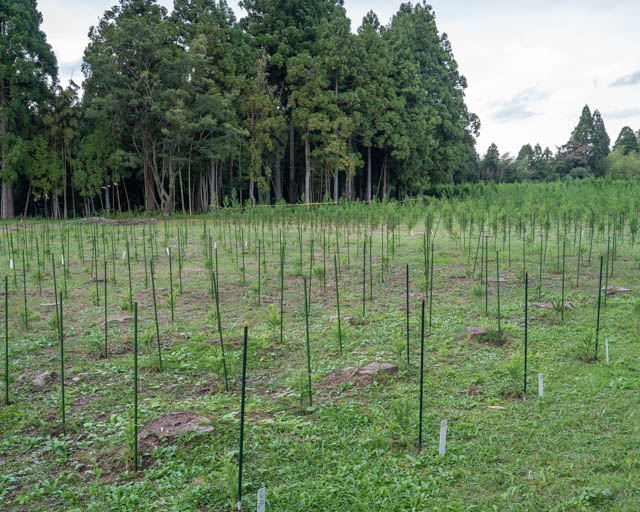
{"x":11,"y":263}
{"x":262,"y":499}
{"x":239,"y":505}
{"x":168,"y":252}
{"x":246,"y":244}
{"x":124,"y":254}
{"x":62,"y":259}
{"x":540,"y":385}
{"x":606,"y":349}
{"x":443,"y":438}
{"x":215,"y":245}
{"x":412,"y":232}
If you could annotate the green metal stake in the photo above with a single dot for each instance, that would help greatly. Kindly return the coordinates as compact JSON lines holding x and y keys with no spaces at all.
{"x":281,"y":289}
{"x":171,"y":284}
{"x":431,"y":288}
{"x":364,"y":278}
{"x":61,"y":333}
{"x":421,"y":375}
{"x":598,"y":317}
{"x":306,"y":318}
{"x":129,"y":269}
{"x":259,"y":273}
{"x":224,"y":359}
{"x":564,"y":246}
{"x":407,"y":297}
{"x":498,"y":289}
{"x":244,"y":380}
{"x":135,"y":386}
{"x":6,"y":340}
{"x":155,"y":311}
{"x":526,"y":325}
{"x":24,"y":287}
{"x":106,"y":351}
{"x":335,"y":269}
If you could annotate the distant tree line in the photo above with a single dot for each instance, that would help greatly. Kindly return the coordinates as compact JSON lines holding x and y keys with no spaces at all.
{"x":587,"y":153}
{"x":186,"y":110}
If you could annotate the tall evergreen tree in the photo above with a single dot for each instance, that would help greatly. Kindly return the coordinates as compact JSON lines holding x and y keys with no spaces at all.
{"x":28,"y":69}
{"x":626,"y":141}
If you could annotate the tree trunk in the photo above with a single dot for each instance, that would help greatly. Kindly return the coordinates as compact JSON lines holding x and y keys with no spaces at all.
{"x":7,"y":186}
{"x":307,"y":169}
{"x":26,"y":203}
{"x":385,"y":179}
{"x":168,"y":207}
{"x":292,"y":160}
{"x":212,"y":182}
{"x":7,"y":199}
{"x":368,"y":174}
{"x":64,"y":182}
{"x":277,"y":177}
{"x":106,"y":186}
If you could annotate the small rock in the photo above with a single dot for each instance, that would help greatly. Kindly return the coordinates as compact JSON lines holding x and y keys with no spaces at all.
{"x":44,"y":379}
{"x":612,"y":290}
{"x":377,"y":367}
{"x":476,"y":333}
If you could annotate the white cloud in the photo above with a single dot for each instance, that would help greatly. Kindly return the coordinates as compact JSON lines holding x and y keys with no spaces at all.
{"x":571,"y":50}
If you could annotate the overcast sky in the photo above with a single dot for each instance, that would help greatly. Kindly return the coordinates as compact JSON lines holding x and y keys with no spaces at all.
{"x":531,"y":66}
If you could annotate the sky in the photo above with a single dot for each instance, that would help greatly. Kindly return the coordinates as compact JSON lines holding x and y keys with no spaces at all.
{"x":530,"y":65}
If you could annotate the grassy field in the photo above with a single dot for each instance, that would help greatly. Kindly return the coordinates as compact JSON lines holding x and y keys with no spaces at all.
{"x":575,"y":448}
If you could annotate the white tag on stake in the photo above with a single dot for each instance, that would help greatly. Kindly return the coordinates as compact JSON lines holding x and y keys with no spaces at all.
{"x":606,"y":349}
{"x":62,"y":259}
{"x":540,"y":385}
{"x":215,"y":245}
{"x":443,"y":438}
{"x":168,"y":252}
{"x":262,"y":499}
{"x":11,"y":263}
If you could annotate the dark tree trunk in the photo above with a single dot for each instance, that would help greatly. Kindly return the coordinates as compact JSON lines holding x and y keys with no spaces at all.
{"x":369,"y":173}
{"x":292,"y":161}
{"x":277,"y":177}
{"x":307,"y":169}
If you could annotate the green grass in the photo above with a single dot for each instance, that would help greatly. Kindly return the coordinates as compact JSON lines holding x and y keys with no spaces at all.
{"x":575,"y":449}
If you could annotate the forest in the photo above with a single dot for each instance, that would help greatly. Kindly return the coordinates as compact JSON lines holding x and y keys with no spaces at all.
{"x":191,"y":109}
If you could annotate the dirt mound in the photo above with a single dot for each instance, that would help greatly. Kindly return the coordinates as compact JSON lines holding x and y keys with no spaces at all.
{"x":169,"y":427}
{"x":613,"y":290}
{"x":38,"y":380}
{"x":549,"y":305}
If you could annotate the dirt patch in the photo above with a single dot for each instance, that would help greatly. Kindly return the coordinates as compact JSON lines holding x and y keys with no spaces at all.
{"x":473,"y":390}
{"x":613,"y":290}
{"x":549,"y":305}
{"x":169,"y":427}
{"x":120,"y":319}
{"x":375,"y":368}
{"x":489,"y":336}
{"x":38,"y":380}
